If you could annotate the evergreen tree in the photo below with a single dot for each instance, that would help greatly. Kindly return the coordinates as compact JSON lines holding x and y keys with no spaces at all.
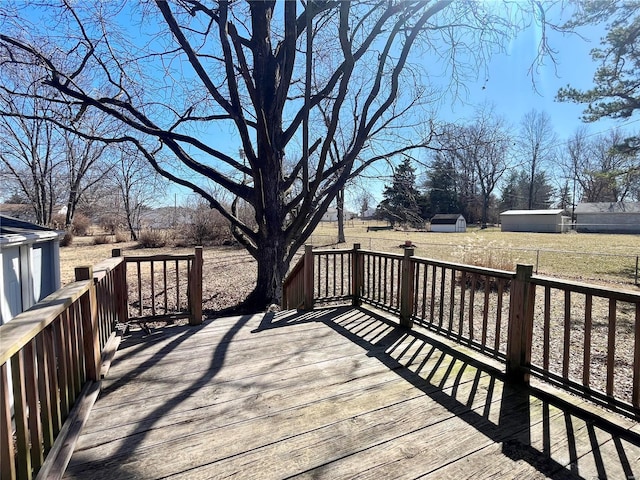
{"x":402,"y":200}
{"x":442,"y":191}
{"x":518,"y":188}
{"x":616,"y":90}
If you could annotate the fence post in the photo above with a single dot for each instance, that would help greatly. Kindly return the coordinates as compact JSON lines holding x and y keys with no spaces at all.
{"x":521,"y":307}
{"x":90,"y":331}
{"x":406,"y":289}
{"x":308,"y":277}
{"x":121,"y":289}
{"x":196,"y":289}
{"x":356,"y":275}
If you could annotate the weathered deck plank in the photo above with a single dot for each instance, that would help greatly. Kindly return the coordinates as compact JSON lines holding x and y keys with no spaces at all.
{"x":329,"y":394}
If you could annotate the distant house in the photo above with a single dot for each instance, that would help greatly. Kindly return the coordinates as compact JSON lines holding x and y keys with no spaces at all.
{"x":30,"y":261}
{"x":448,"y":223}
{"x":331,"y":215}
{"x":608,"y":217}
{"x":539,"y":221}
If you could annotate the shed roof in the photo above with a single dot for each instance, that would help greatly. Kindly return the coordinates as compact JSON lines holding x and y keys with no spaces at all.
{"x":608,"y":207}
{"x":13,"y":230}
{"x":551,"y":211}
{"x":15,"y":225}
{"x":445,"y":218}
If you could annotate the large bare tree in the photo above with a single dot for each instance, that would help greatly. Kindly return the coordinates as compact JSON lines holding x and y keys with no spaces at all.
{"x":536,"y":144}
{"x":265,"y":71}
{"x":479,"y":154}
{"x":48,"y":162}
{"x":30,"y":151}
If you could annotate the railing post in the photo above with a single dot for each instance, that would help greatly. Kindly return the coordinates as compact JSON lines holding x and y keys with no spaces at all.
{"x":308,"y":277}
{"x":356,"y":275}
{"x":90,"y":333}
{"x":406,"y":289}
{"x":196,"y":289}
{"x":121,"y":289}
{"x":521,"y":307}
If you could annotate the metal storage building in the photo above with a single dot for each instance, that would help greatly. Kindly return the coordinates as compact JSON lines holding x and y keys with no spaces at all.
{"x":539,"y":221}
{"x":608,"y":217}
{"x":30,"y":257}
{"x":443,"y":222}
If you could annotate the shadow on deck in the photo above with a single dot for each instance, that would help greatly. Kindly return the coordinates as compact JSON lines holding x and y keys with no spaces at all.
{"x":333,"y":393}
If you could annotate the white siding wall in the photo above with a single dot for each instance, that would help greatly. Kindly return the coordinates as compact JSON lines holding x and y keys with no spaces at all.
{"x":30,"y":272}
{"x":11,"y":294}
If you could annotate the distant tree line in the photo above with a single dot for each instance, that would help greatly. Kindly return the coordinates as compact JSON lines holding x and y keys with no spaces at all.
{"x":485,"y":167}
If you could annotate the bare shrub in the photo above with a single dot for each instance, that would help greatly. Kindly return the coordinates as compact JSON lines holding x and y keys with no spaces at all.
{"x":57,"y":221}
{"x":489,"y":254}
{"x":67,"y":240}
{"x":109,"y":223}
{"x":101,"y":239}
{"x":79,"y":227}
{"x":152,"y":239}
{"x":120,"y":237}
{"x":81,"y":224}
{"x":207,"y":227}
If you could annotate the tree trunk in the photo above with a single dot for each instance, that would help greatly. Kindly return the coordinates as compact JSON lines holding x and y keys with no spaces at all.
{"x":340,"y":212}
{"x":485,"y":210}
{"x":272,"y":269}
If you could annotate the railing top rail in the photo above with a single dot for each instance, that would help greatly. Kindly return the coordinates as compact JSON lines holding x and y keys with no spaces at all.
{"x":158,"y":258}
{"x":494,"y":272}
{"x":103,"y":268}
{"x":322,"y":251}
{"x":382,"y":254}
{"x":586,"y":288}
{"x":441,"y":263}
{"x":297,"y":267}
{"x":26,"y":325}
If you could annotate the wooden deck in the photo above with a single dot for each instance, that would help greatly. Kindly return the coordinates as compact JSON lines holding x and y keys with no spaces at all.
{"x":333,"y":393}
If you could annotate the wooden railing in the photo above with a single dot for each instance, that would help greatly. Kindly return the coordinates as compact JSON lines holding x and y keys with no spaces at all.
{"x":164,"y":287}
{"x":583,"y":337}
{"x":589,"y":339}
{"x":52,"y":356}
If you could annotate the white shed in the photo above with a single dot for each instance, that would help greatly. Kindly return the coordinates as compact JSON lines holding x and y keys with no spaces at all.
{"x":540,"y":221}
{"x":608,"y":217}
{"x":30,"y":257}
{"x":444,"y":222}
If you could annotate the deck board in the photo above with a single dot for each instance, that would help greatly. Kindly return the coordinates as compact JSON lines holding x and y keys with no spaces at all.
{"x":334,"y":393}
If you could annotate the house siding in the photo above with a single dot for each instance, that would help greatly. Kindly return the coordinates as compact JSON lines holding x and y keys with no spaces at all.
{"x":608,"y":223}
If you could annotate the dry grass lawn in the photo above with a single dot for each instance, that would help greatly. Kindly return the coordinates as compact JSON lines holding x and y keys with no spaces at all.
{"x":594,"y":258}
{"x":229,"y":272}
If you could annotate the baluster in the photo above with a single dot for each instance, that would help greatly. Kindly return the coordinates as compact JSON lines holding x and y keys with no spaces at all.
{"x":611,"y":347}
{"x":485,"y":310}
{"x":567,"y":334}
{"x":547,"y":328}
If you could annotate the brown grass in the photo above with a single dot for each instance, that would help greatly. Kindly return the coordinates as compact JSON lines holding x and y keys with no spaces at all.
{"x":580,"y":256}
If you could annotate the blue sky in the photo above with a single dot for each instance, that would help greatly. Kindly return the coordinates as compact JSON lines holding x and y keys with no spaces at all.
{"x":508,"y":84}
